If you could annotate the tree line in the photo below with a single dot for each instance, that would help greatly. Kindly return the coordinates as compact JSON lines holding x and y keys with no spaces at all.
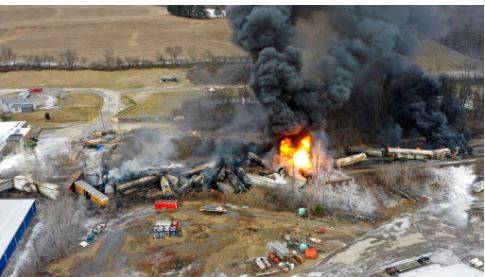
{"x":188,"y":11}
{"x":172,"y":56}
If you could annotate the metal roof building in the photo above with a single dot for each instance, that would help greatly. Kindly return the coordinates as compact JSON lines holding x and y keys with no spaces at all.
{"x":15,"y":216}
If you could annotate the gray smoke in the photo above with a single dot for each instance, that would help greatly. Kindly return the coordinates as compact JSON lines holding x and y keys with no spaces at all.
{"x":368,"y":44}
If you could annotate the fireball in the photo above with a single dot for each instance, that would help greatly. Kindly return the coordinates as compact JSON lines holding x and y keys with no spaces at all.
{"x":295,"y":154}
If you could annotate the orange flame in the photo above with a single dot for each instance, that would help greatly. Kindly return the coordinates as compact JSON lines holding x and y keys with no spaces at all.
{"x":296,"y":154}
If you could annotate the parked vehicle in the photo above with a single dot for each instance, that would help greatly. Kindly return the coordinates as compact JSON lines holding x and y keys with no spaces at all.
{"x":35,"y":90}
{"x":169,"y":79}
{"x":394,"y":270}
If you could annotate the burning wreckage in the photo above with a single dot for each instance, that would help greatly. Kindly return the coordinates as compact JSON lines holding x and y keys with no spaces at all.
{"x":299,"y":162}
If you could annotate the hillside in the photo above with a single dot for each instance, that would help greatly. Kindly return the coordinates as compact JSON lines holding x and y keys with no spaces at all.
{"x":130,"y":31}
{"x":142,"y":31}
{"x":437,"y":58}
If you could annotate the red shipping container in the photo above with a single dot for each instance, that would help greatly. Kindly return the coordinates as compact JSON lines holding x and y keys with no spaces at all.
{"x":311,"y":253}
{"x":170,"y":205}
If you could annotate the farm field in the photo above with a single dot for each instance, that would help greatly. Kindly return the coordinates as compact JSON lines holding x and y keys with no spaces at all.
{"x":126,"y":79}
{"x":436,"y":58}
{"x":130,"y":31}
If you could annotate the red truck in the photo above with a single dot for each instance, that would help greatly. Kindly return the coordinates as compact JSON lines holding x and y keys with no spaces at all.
{"x":35,"y":90}
{"x":171,"y":205}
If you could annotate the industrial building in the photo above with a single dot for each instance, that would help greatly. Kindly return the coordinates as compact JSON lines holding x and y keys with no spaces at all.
{"x":13,"y":135}
{"x":15,"y":215}
{"x":18,"y":105}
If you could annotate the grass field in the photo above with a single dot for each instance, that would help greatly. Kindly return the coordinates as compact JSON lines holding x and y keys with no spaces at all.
{"x":75,"y":107}
{"x":130,"y":31}
{"x":160,"y":104}
{"x":126,"y":79}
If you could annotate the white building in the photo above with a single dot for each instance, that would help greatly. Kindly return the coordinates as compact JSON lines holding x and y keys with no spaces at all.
{"x":216,"y":11}
{"x":13,"y":135}
{"x":15,"y":216}
{"x":18,"y":105}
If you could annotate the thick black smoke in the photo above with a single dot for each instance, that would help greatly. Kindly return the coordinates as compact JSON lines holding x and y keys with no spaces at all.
{"x":363,"y":37}
{"x":293,"y":103}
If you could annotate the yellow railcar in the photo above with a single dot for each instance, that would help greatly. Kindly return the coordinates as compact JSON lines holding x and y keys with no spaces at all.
{"x":90,"y":192}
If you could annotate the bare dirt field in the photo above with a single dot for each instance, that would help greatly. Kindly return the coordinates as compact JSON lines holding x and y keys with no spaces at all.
{"x":126,"y":79}
{"x":208,"y":242}
{"x":130,"y":31}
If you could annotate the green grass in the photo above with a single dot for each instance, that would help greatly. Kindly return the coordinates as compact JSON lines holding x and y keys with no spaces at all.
{"x":76,"y":107}
{"x":160,"y":104}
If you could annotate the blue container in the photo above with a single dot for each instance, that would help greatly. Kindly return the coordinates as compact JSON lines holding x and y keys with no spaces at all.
{"x":303,"y":247}
{"x":301,"y":211}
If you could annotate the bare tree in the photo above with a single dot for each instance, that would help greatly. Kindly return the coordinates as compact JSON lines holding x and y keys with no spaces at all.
{"x":191,"y":51}
{"x":174,"y":52}
{"x":69,"y":58}
{"x":210,"y":56}
{"x":7,"y":56}
{"x":159,"y":57}
{"x":109,"y":59}
{"x":59,"y":228}
{"x":47,"y":60}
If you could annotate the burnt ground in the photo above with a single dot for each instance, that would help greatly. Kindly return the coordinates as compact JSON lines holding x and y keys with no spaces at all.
{"x":209,"y":242}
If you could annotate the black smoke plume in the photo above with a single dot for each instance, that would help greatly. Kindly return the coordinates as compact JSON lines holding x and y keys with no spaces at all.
{"x":370,"y":46}
{"x":292,"y":102}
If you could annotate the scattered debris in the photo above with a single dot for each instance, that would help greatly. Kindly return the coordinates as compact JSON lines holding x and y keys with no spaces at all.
{"x":213,"y":209}
{"x":478,"y":186}
{"x":279,"y":248}
{"x":475,"y":262}
{"x":84,"y":243}
{"x":166,"y":228}
{"x":395,"y":270}
{"x":49,"y":190}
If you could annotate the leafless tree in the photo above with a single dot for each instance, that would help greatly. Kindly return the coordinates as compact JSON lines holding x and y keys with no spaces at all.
{"x":69,"y":58}
{"x":210,"y":56}
{"x":109,"y":59}
{"x":174,"y":52}
{"x":7,"y":55}
{"x":60,"y":226}
{"x":191,"y":51}
{"x":47,"y":60}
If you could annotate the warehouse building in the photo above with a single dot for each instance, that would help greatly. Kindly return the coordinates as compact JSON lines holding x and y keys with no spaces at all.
{"x":15,"y":215}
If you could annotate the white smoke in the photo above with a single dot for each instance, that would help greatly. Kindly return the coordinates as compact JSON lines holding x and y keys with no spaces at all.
{"x":43,"y":158}
{"x":452,"y":199}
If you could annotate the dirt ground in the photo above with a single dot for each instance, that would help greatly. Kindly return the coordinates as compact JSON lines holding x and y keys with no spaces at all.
{"x":209,"y":242}
{"x":130,"y":31}
{"x":126,"y":79}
